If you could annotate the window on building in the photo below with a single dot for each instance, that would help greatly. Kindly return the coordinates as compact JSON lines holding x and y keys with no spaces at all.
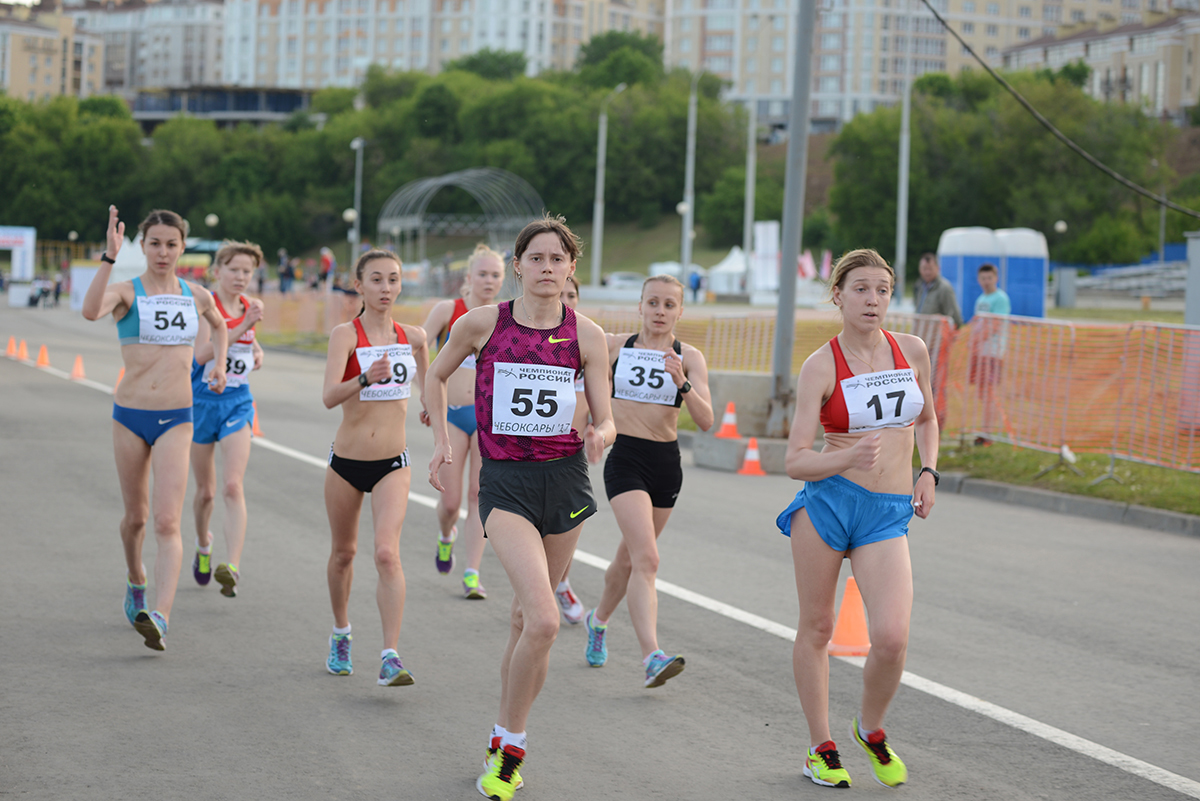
{"x":751,"y":65}
{"x":752,"y":44}
{"x":776,"y":86}
{"x":719,"y":64}
{"x":993,"y":9}
{"x":777,"y":43}
{"x":778,"y":23}
{"x":1052,"y":13}
{"x":1022,"y":33}
{"x":968,"y":27}
{"x":992,"y":52}
{"x":968,"y":7}
{"x":832,"y":20}
{"x":719,"y":43}
{"x":1025,"y":11}
{"x":831,"y":63}
{"x":1077,"y":15}
{"x":720,"y":22}
{"x":777,"y":65}
{"x":829,"y":84}
{"x":685,"y":45}
{"x":992,"y":30}
{"x":829,"y":41}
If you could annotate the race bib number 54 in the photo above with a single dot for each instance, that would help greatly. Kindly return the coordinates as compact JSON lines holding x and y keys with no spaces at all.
{"x":532,"y":400}
{"x":396,"y":386}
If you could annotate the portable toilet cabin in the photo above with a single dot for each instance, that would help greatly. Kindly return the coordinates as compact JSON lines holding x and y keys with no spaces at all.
{"x":1025,"y":272}
{"x":960,"y":253}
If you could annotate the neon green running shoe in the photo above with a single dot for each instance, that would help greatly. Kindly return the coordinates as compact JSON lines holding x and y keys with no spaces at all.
{"x":499,"y":781}
{"x":824,"y":766}
{"x":472,"y":589}
{"x":492,"y":751}
{"x":889,"y":770}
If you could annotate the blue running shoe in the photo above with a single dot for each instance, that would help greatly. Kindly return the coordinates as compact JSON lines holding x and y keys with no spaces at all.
{"x":393,"y":673}
{"x":152,"y":626}
{"x":202,"y":568}
{"x":338,"y":662}
{"x":135,"y":601}
{"x":597,"y":650}
{"x":662,"y":667}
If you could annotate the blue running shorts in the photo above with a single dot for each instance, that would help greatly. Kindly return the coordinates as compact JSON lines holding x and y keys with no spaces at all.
{"x":846,"y":516}
{"x":216,"y":419}
{"x":462,"y":418}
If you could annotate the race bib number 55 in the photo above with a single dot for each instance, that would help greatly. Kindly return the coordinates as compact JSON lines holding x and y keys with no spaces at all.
{"x":396,"y":386}
{"x":532,"y":400}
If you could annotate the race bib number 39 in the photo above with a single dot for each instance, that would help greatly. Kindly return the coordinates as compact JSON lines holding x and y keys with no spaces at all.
{"x":167,"y":320}
{"x":532,"y":400}
{"x":889,"y":399}
{"x":238,"y":364}
{"x":641,"y":375}
{"x":396,"y":386}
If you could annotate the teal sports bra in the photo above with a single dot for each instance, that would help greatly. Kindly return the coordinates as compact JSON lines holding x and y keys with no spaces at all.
{"x":160,"y":319}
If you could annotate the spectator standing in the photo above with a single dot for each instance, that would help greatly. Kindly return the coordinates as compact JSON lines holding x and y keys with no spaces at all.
{"x":988,"y":344}
{"x":934,"y":294}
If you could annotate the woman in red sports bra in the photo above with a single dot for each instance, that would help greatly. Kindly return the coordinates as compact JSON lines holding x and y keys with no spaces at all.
{"x":483,"y":280}
{"x":369,"y":372}
{"x":870,"y":390}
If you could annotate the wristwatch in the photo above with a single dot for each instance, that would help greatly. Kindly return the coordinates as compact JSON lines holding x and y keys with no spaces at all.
{"x":937,"y":477}
{"x":686,"y":388}
{"x":362,"y":380}
{"x":104,"y":257}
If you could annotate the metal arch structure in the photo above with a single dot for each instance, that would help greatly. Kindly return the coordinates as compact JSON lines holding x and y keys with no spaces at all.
{"x":507,"y":200}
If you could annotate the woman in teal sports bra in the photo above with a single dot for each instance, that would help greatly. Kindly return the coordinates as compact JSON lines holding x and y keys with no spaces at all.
{"x":157,"y":318}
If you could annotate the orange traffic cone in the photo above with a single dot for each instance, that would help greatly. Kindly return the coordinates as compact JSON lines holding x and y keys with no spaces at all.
{"x":12,"y":348}
{"x":850,"y":636}
{"x":120,"y":375}
{"x":254,"y":429}
{"x":23,"y":352}
{"x":43,"y":359}
{"x":751,"y":465}
{"x":77,"y":370}
{"x":728,"y":428}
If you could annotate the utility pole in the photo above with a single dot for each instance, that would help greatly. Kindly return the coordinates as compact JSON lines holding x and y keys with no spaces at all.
{"x":900,"y":262}
{"x":598,"y":203}
{"x":778,"y":413}
{"x":688,"y":207}
{"x":751,"y":182}
{"x":357,"y":144}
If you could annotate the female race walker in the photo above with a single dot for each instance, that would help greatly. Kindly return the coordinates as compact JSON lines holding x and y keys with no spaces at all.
{"x":157,"y":318}
{"x":870,"y":390}
{"x":226,"y":418}
{"x":568,"y":603}
{"x":369,"y":372}
{"x":534,"y":490}
{"x":485,"y":275}
{"x":653,"y":374}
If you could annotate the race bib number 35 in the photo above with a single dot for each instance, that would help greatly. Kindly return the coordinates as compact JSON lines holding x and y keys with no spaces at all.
{"x":396,"y":386}
{"x":889,"y":399}
{"x":238,"y":364}
{"x":641,"y":375}
{"x":167,"y":320}
{"x":532,"y":400}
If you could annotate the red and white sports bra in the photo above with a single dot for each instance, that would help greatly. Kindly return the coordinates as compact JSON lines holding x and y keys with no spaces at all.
{"x":232,"y":322}
{"x":871,"y":401}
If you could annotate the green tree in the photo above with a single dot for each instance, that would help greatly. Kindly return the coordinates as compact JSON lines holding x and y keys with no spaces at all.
{"x":105,"y":106}
{"x":334,"y":100}
{"x":600,"y":47}
{"x":495,"y":65}
{"x":436,"y":111}
{"x":382,"y":86}
{"x":624,"y":65}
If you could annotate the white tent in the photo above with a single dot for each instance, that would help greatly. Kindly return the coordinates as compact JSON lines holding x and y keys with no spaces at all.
{"x":729,"y":276}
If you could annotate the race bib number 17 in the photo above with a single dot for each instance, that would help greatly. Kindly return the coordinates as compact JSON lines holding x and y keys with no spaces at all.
{"x":532,"y":400}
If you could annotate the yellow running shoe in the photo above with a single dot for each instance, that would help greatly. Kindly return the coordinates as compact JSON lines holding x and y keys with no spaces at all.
{"x":499,"y":781}
{"x":824,"y":766}
{"x":494,"y":749}
{"x":889,"y":770}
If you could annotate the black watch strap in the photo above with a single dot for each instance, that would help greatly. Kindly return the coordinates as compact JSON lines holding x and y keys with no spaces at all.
{"x":686,"y":388}
{"x":363,"y":380}
{"x":937,"y":477}
{"x":104,"y":257}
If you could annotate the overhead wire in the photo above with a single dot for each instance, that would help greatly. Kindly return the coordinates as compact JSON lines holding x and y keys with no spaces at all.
{"x":1062,"y":137}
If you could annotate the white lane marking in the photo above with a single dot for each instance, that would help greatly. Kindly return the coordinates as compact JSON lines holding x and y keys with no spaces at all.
{"x":1100,"y":753}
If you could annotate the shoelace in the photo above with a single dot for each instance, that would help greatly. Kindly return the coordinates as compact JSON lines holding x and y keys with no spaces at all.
{"x":343,"y":649}
{"x":567,"y":598}
{"x":880,"y":750}
{"x":508,"y":764}
{"x":833,"y":760}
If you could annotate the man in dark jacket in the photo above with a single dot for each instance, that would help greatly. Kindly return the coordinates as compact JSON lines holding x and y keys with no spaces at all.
{"x":933,"y":294}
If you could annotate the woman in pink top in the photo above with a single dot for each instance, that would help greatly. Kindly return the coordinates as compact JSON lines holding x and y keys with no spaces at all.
{"x":534,"y":489}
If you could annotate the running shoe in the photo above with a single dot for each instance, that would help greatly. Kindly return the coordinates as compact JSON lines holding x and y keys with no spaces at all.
{"x":824,"y":766}
{"x":568,"y":604}
{"x":494,"y":749}
{"x":597,"y":650}
{"x":135,"y":601}
{"x":227,"y":577}
{"x":499,"y":781}
{"x":662,"y":667}
{"x":472,"y":589}
{"x":445,"y":552}
{"x":202,"y":568}
{"x":393,"y":673}
{"x":889,"y":770}
{"x":338,"y":662}
{"x":152,"y":626}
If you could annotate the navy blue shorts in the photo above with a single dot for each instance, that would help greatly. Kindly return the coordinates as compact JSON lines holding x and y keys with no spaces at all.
{"x":217,"y":419}
{"x":151,"y":424}
{"x":846,"y":516}
{"x":462,"y":418}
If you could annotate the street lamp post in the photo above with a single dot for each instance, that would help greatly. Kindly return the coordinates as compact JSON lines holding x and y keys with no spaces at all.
{"x":900,"y":262}
{"x":688,"y":205}
{"x":751,"y":183}
{"x":350,"y":217}
{"x":357,"y":144}
{"x":598,"y":204}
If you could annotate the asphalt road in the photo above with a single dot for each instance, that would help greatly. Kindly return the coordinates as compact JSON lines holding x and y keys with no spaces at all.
{"x":1050,"y":623}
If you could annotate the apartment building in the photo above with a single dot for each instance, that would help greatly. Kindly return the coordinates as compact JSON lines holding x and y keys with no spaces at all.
{"x":42,"y":55}
{"x":1152,"y":62}
{"x":166,"y":44}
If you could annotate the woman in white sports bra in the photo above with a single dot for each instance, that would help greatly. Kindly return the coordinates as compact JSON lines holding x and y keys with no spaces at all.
{"x":157,"y":318}
{"x":870,"y":390}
